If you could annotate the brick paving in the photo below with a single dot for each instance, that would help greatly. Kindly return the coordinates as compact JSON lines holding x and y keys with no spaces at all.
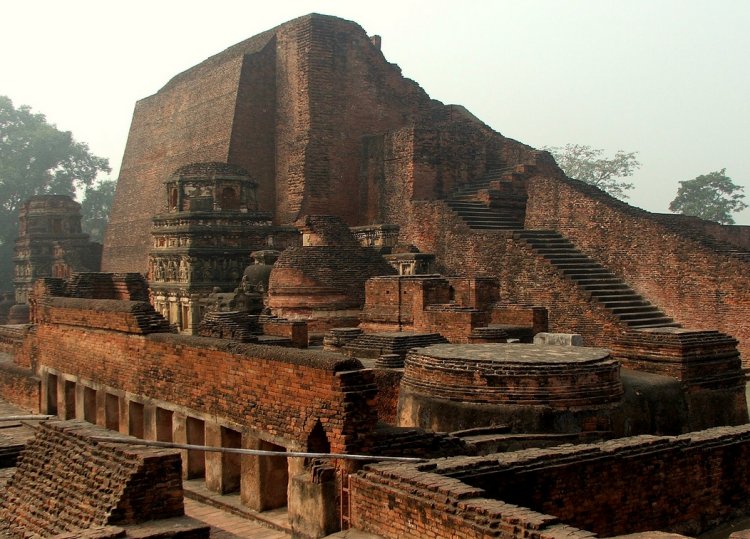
{"x":225,"y":525}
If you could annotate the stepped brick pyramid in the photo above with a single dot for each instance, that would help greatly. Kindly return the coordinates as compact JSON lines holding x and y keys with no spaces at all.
{"x":705,"y":358}
{"x":65,"y":482}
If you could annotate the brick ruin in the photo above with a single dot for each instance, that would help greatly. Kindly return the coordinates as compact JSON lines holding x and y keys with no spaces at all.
{"x":49,"y":244}
{"x":68,"y":484}
{"x":337,"y":263}
{"x":325,"y":125}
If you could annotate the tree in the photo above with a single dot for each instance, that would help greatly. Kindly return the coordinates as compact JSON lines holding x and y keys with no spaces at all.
{"x":95,"y":208}
{"x":589,"y":165}
{"x":713,"y":196}
{"x":35,"y":158}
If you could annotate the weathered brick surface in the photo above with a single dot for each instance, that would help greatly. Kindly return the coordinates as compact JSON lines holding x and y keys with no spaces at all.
{"x":626,"y":486}
{"x":108,"y":314}
{"x":67,"y":482}
{"x":11,"y":338}
{"x":19,"y":385}
{"x":280,"y":391}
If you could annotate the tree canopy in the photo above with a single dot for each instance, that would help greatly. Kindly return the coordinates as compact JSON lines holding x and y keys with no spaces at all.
{"x":713,"y":196}
{"x":95,"y":208}
{"x":590,"y":165}
{"x":36,"y":158}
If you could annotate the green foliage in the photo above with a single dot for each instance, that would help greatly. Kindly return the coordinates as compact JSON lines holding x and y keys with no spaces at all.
{"x":713,"y":196}
{"x":36,"y":158}
{"x":95,"y":208}
{"x":589,"y":165}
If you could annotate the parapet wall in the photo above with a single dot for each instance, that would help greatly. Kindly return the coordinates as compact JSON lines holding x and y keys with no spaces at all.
{"x":66,"y":482}
{"x":280,"y":393}
{"x":623,"y":486}
{"x":675,"y":268}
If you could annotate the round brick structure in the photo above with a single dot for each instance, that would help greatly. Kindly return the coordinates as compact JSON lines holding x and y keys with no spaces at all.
{"x":532,"y":388}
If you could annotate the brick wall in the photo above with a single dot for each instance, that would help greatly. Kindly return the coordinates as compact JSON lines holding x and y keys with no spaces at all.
{"x":19,"y":386}
{"x":686,"y":484}
{"x":108,"y":314}
{"x":282,"y":392}
{"x":674,"y":268}
{"x":387,"y":502}
{"x":525,"y":277}
{"x":66,"y":482}
{"x":161,"y":139}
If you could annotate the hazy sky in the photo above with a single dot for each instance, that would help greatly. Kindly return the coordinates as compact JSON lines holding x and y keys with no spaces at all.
{"x":669,"y":79}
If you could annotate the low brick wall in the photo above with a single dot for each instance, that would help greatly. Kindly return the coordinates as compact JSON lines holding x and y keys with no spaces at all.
{"x":66,"y":482}
{"x":110,"y":314}
{"x":685,"y":484}
{"x":11,"y":338}
{"x":19,"y":386}
{"x":280,"y":391}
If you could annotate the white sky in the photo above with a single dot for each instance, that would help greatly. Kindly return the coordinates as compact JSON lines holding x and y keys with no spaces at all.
{"x":668,"y":78}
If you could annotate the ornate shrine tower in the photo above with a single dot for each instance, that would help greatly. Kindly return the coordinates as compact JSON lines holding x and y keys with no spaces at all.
{"x":203,"y":240}
{"x":50,"y":242}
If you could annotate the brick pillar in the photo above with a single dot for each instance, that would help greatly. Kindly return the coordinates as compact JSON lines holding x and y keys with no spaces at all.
{"x":63,"y":408}
{"x":222,"y":469}
{"x":264,"y":480}
{"x":213,"y":460}
{"x":79,"y":401}
{"x":179,"y":436}
{"x":101,"y":408}
{"x":149,"y":422}
{"x":69,"y":394}
{"x":124,"y":420}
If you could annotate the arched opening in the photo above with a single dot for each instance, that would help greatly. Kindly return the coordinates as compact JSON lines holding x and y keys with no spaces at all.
{"x":317,"y":441}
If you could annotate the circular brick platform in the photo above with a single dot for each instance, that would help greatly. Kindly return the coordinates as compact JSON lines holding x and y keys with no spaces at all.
{"x":534,"y":388}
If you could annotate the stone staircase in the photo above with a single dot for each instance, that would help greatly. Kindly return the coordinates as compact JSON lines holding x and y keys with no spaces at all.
{"x":611,"y":292}
{"x":466,"y":202}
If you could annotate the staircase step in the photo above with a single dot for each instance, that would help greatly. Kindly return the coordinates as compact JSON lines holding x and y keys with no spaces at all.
{"x":642,"y":315}
{"x":578,"y":266}
{"x":621,"y":299}
{"x":612,"y":293}
{"x":652,"y":323}
{"x":594,"y":273}
{"x":606,"y":286}
{"x":637,"y":306}
{"x":591,"y":281}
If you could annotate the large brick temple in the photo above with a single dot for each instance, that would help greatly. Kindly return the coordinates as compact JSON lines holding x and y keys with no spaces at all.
{"x":555,"y":362}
